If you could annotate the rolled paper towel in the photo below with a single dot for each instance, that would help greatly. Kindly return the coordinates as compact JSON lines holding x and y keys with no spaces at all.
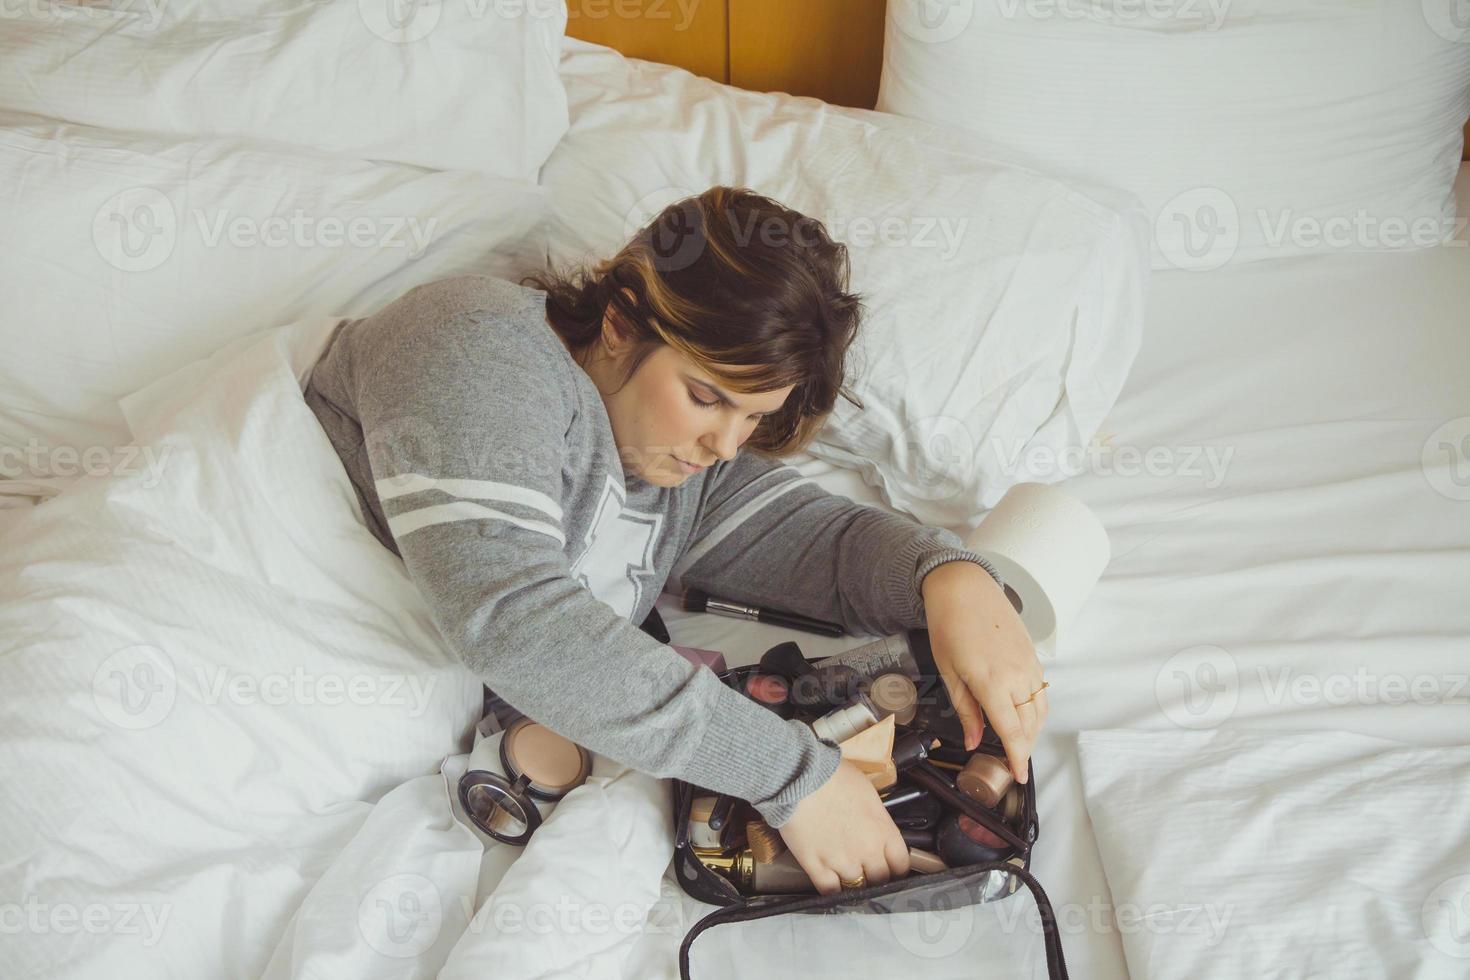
{"x":1050,"y":550}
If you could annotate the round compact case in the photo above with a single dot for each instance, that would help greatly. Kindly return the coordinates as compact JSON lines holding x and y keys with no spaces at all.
{"x":535,"y":764}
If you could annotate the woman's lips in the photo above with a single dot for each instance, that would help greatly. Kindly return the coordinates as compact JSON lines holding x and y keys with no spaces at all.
{"x":686,"y":467}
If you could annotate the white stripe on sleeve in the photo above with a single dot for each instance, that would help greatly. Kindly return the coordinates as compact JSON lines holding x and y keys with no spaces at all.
{"x":723,"y":530}
{"x":463,"y":510}
{"x":508,"y":493}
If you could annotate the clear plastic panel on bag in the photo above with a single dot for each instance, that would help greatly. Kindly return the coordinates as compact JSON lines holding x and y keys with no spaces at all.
{"x":987,"y":923}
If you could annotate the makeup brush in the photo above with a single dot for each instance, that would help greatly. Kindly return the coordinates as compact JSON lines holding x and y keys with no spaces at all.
{"x":696,"y":600}
{"x":765,"y":841}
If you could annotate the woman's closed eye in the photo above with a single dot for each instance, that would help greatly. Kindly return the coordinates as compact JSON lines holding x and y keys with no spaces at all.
{"x":701,"y":403}
{"x":716,"y":404}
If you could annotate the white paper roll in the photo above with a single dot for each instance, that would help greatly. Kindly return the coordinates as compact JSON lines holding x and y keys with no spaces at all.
{"x":1050,"y":550}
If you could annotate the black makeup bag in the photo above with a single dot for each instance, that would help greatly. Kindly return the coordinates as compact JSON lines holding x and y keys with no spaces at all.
{"x":989,"y":919}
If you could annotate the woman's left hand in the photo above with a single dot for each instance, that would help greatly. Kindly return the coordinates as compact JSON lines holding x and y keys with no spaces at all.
{"x":985,"y":657}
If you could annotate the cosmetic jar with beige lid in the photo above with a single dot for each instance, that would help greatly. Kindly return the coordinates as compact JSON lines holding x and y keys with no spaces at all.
{"x":845,"y":722}
{"x":896,"y":695}
{"x":513,"y":772}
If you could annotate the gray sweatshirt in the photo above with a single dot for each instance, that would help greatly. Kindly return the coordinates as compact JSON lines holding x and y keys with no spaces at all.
{"x":483,"y":456}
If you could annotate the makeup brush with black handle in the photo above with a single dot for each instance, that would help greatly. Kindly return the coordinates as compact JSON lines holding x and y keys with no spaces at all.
{"x":698,"y":601}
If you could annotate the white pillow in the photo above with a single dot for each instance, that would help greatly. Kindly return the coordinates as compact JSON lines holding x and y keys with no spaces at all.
{"x":1250,"y":129}
{"x":1003,"y":306}
{"x":440,"y":84}
{"x":126,"y":257}
{"x":1285,"y":854}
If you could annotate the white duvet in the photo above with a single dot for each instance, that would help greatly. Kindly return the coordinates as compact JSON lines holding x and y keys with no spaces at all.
{"x":224,"y":718}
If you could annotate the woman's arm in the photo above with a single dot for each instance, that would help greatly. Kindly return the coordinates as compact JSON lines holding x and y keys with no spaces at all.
{"x":769,"y":536}
{"x":482,"y":537}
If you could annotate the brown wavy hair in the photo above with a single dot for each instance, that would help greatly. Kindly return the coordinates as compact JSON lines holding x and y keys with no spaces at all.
{"x":727,"y":277}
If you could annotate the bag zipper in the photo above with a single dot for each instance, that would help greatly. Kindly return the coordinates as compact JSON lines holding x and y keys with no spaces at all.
{"x":761,"y":907}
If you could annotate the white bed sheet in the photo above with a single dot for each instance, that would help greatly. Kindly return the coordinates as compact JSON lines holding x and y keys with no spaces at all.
{"x":1323,"y":545}
{"x":1316,"y":549}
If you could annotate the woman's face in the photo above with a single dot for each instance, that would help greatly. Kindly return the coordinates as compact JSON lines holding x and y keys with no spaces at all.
{"x":672,"y":411}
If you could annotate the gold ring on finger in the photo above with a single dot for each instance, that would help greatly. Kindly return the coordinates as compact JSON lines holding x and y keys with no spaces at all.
{"x":1044,"y":686}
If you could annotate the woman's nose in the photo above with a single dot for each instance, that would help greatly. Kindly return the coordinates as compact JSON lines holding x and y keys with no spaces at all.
{"x":724,"y":442}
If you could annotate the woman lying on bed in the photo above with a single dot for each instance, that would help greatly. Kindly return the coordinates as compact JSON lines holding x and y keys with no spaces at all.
{"x":545,"y":456}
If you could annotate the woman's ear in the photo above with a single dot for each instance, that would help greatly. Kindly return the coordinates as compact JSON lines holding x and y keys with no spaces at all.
{"x":615,"y":334}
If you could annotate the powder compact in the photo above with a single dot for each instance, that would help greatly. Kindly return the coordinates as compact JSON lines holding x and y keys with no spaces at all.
{"x":537,"y":764}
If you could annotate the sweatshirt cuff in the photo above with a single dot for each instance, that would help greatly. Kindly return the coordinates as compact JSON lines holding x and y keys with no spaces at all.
{"x":925,"y":552}
{"x":783,"y":758}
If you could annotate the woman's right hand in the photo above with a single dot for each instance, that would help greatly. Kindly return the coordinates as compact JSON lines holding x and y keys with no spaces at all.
{"x":842,"y":830}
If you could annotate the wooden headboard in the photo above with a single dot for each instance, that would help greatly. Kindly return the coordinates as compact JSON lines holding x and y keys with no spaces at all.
{"x":829,"y":49}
